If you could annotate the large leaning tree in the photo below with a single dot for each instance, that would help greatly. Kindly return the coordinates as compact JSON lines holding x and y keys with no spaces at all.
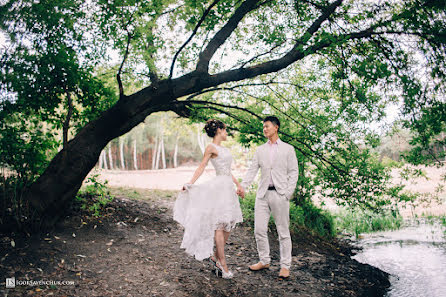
{"x":185,"y":48}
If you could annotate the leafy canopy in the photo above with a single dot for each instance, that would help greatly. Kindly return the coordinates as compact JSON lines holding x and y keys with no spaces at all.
{"x":351,"y":59}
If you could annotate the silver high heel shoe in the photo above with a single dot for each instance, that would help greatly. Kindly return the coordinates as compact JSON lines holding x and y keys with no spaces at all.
{"x":225,"y":275}
{"x":215,"y":268}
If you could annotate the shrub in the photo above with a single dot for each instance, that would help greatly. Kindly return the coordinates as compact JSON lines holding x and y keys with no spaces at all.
{"x":25,"y":150}
{"x":358,"y":221}
{"x":308,"y":215}
{"x":94,"y":196}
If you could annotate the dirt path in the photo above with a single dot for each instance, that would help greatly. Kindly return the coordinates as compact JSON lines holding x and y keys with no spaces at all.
{"x":135,"y":251}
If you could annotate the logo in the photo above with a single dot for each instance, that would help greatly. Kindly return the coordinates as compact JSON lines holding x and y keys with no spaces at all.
{"x":10,"y":282}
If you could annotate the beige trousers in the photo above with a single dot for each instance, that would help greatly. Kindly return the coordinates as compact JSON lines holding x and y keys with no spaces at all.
{"x":279,"y":207}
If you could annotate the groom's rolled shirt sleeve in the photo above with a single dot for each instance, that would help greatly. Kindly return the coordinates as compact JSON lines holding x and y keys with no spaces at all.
{"x":252,"y":171}
{"x":292,"y":172}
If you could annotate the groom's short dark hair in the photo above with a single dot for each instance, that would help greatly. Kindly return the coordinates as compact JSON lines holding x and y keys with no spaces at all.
{"x":273,"y":120}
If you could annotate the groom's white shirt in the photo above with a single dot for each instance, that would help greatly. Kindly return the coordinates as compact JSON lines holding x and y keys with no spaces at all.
{"x":283,"y":169}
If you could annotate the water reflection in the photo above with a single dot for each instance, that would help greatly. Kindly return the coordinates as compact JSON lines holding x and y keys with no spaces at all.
{"x":415,"y":256}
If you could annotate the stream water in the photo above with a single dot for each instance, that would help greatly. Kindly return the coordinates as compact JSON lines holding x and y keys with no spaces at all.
{"x":414,"y":256}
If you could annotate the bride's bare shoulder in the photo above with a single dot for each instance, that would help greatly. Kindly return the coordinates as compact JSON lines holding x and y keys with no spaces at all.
{"x":210,"y":148}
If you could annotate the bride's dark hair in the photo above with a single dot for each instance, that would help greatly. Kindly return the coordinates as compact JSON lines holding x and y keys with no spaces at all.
{"x":212,"y":125}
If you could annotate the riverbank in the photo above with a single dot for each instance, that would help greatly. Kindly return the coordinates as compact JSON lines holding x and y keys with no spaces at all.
{"x":134,"y":250}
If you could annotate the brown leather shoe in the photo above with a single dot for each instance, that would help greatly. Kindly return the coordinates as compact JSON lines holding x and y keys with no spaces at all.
{"x":258,"y":266}
{"x":284,"y":273}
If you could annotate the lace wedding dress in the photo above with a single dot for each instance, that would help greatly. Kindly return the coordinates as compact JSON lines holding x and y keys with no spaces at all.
{"x":207,"y":207}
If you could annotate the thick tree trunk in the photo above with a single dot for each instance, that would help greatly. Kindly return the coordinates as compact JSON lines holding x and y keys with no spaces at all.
{"x":51,"y":194}
{"x":54,"y":190}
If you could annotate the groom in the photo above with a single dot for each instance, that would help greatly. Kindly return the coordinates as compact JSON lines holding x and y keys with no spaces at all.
{"x":279,"y":172}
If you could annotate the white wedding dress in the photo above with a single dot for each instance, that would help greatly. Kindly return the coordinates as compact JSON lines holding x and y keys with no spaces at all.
{"x":202,"y":209}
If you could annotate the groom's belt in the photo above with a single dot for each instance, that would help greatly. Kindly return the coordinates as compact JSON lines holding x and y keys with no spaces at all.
{"x":271,"y":188}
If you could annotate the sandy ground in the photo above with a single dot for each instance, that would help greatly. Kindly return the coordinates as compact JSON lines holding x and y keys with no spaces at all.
{"x":163,"y":179}
{"x":173,"y":179}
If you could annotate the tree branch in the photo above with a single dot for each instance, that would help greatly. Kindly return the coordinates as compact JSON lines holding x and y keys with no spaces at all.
{"x":197,"y":81}
{"x":221,"y":36}
{"x":295,"y":54}
{"x":118,"y":75}
{"x":152,"y":68}
{"x":324,"y":131}
{"x":318,"y":6}
{"x":170,"y":10}
{"x":181,"y":104}
{"x":66,"y":123}
{"x":200,"y":79}
{"x":260,"y":55}
{"x":240,"y":86}
{"x":205,"y":13}
{"x":222,"y":105}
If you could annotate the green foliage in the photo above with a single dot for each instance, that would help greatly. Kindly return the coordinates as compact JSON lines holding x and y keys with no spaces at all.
{"x":308,"y":216}
{"x":429,"y":127}
{"x":95,"y":195}
{"x":47,"y":70}
{"x":313,"y":218}
{"x":247,"y":206}
{"x":14,"y":211}
{"x":45,"y":62}
{"x":47,"y":58}
{"x":424,"y":104}
{"x":357,"y":221}
{"x":353,"y":60}
{"x":26,"y":148}
{"x":330,"y":133}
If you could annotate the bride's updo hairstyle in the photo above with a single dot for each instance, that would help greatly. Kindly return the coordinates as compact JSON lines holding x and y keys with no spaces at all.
{"x":212,"y":125}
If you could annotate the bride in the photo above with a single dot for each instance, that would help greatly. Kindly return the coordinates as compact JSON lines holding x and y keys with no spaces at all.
{"x":208,"y":212}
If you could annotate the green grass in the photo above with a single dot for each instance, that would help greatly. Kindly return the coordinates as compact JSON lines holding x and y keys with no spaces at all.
{"x":386,"y":161}
{"x":308,"y":216}
{"x":441,"y":219}
{"x":432,"y":219}
{"x":143,"y":194}
{"x":359,"y":221}
{"x":95,"y":195}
